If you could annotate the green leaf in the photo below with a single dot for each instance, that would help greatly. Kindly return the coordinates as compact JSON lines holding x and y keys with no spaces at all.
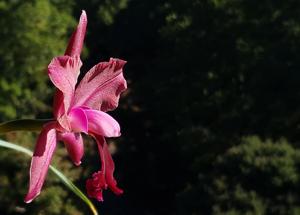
{"x":23,"y":124}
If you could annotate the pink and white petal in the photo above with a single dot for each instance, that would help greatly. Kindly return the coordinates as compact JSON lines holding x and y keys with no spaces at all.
{"x":101,"y":87}
{"x":74,"y":145}
{"x":78,"y":120}
{"x":109,"y":166}
{"x":77,"y":38}
{"x":63,"y":72}
{"x":101,"y":123}
{"x":41,"y":159}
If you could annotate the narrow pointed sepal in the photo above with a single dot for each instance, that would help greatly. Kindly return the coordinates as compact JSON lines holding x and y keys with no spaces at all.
{"x":40,"y":161}
{"x":77,"y":38}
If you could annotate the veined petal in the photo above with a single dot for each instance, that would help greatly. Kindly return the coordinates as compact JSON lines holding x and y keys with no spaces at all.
{"x":102,"y":124}
{"x":109,"y":166}
{"x":101,"y":87}
{"x":74,"y":145}
{"x":63,"y":72}
{"x":41,"y":159}
{"x":77,"y":38}
{"x":78,"y":120}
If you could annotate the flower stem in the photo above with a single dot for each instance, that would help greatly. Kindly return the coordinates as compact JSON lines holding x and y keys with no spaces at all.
{"x":59,"y":174}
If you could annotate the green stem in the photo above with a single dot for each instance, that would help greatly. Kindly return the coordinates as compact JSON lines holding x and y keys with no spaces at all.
{"x":23,"y":124}
{"x":59,"y":174}
{"x":75,"y":189}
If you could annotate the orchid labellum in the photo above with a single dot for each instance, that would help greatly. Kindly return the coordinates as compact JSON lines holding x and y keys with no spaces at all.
{"x":80,"y":108}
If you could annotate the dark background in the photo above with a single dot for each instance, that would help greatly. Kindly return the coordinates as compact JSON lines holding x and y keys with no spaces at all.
{"x":210,"y":120}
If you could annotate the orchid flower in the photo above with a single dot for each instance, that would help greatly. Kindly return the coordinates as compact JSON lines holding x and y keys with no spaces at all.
{"x":80,"y":108}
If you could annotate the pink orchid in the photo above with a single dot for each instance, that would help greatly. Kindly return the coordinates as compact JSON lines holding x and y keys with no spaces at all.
{"x":80,"y":108}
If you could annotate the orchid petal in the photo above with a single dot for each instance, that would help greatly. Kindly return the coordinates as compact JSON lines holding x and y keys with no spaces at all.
{"x":102,"y":124}
{"x":78,"y":120}
{"x":63,"y":72}
{"x":101,"y":87}
{"x":77,"y":38}
{"x":74,"y":145}
{"x":58,"y":104}
{"x":41,"y":158}
{"x":109,"y":166}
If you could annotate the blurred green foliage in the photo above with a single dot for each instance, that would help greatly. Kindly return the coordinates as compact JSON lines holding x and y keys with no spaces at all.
{"x":257,"y":177}
{"x":32,"y":32}
{"x":213,"y":91}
